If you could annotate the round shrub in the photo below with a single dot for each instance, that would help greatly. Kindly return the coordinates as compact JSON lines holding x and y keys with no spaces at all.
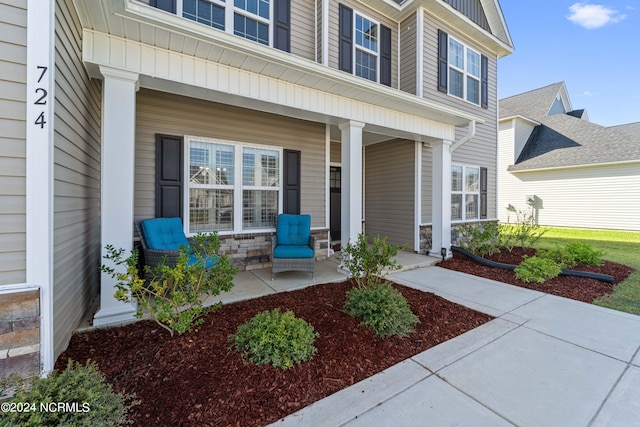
{"x":77,"y":396}
{"x":536,"y":269}
{"x":382,"y":308}
{"x":280,"y":339}
{"x":583,"y":253}
{"x":560,"y":255}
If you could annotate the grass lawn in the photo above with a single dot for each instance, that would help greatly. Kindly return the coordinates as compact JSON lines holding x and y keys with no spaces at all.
{"x":619,"y":246}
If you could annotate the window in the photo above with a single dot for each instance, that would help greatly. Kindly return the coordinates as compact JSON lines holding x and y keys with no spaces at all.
{"x":232,"y":187}
{"x":464,"y":72}
{"x":366,"y":45}
{"x":250,"y":19}
{"x":465,"y":193}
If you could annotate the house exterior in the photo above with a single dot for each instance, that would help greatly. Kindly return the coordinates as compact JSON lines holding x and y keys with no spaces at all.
{"x":225,"y":114}
{"x":572,"y":172}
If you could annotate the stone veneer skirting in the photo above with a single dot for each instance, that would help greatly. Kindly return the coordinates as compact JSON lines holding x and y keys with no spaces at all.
{"x":252,"y":251}
{"x":20,"y":333}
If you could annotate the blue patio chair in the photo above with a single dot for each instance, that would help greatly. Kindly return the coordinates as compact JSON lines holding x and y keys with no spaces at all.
{"x":293,"y":246}
{"x":162,"y":238}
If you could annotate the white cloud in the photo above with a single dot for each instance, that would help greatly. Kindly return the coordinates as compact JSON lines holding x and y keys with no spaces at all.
{"x":587,"y":93}
{"x":592,"y":16}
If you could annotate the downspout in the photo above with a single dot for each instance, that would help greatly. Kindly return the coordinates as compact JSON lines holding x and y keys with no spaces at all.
{"x":471,"y":132}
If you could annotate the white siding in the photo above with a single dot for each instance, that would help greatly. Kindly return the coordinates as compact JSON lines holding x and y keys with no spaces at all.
{"x":13,"y":58}
{"x":605,"y":197}
{"x":76,"y":179}
{"x":390,"y":191}
{"x":162,"y":113}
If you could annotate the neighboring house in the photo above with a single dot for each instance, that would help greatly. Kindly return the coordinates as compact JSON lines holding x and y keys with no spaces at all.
{"x":360,"y":113}
{"x":571,"y":172}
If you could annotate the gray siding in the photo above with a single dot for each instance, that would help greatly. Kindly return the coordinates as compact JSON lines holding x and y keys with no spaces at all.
{"x":389,"y":190}
{"x":303,"y":32}
{"x":176,"y":115}
{"x":481,"y":150}
{"x":408,"y":55}
{"x":361,"y":8}
{"x":13,"y":77}
{"x":76,"y":179}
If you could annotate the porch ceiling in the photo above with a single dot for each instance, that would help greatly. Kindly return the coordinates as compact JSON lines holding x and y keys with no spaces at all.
{"x":129,"y":22}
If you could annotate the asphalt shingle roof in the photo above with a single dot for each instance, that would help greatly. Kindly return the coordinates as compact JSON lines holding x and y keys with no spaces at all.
{"x":562,"y":140}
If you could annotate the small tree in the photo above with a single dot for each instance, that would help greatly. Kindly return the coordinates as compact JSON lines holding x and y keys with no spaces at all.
{"x":524,"y":233}
{"x":173,"y":296}
{"x":366,"y":261}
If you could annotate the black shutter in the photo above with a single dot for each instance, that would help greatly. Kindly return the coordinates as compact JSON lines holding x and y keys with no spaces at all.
{"x":484,"y":82}
{"x":169,"y":176}
{"x":483,"y":193}
{"x":385,"y":55}
{"x":291,"y":175}
{"x":282,"y":28}
{"x":443,"y":64}
{"x":346,"y":39}
{"x":167,"y":5}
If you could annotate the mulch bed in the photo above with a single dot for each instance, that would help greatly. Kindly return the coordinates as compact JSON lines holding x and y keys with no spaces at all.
{"x":194,"y":379}
{"x":577,"y":288}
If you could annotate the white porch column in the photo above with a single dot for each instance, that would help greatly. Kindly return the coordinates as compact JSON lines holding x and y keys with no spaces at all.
{"x":351,"y":197}
{"x":117,"y":180}
{"x":441,"y":194}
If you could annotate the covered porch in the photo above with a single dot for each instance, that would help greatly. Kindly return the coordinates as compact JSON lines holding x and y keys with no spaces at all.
{"x":332,"y":105}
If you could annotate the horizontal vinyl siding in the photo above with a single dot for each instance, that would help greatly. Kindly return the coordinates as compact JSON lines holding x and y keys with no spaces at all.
{"x":76,"y":179}
{"x":481,"y":150}
{"x":408,"y":55}
{"x":390,"y":190}
{"x":370,"y":13}
{"x":303,"y":41}
{"x":427,"y":182}
{"x":163,"y":113}
{"x":588,"y":197}
{"x":13,"y":76}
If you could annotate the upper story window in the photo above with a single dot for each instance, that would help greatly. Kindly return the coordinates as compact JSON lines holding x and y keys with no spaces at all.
{"x":264,"y":21}
{"x":364,"y":46}
{"x":245,"y":18}
{"x":462,"y":71}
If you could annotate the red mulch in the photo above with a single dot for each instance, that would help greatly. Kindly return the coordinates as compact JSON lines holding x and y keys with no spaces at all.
{"x":577,"y":288}
{"x":194,"y":379}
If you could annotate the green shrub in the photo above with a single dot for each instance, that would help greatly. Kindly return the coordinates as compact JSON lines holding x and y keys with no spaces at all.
{"x":77,"y":396}
{"x":382,"y":308}
{"x":584,"y":253}
{"x":481,"y":240}
{"x":173,"y":296}
{"x":366,"y":262}
{"x":280,"y":339}
{"x":560,"y":255}
{"x":536,"y":269}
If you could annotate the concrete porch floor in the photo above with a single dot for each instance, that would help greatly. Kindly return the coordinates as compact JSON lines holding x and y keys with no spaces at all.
{"x":256,"y":283}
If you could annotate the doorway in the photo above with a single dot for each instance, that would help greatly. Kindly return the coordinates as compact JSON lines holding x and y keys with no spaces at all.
{"x":335,"y":177}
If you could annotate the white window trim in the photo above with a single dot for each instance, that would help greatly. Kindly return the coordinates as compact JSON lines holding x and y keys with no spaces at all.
{"x":464,"y":193}
{"x":229,"y":16}
{"x":464,"y":72}
{"x":238,"y":187}
{"x":357,"y":47}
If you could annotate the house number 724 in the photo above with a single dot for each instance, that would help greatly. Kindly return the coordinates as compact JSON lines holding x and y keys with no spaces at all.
{"x":42,"y":97}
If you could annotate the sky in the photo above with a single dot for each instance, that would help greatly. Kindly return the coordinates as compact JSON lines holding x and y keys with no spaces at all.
{"x":593,"y":46}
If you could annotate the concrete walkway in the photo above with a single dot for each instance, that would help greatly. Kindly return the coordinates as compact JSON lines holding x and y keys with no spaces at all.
{"x":544,"y":361}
